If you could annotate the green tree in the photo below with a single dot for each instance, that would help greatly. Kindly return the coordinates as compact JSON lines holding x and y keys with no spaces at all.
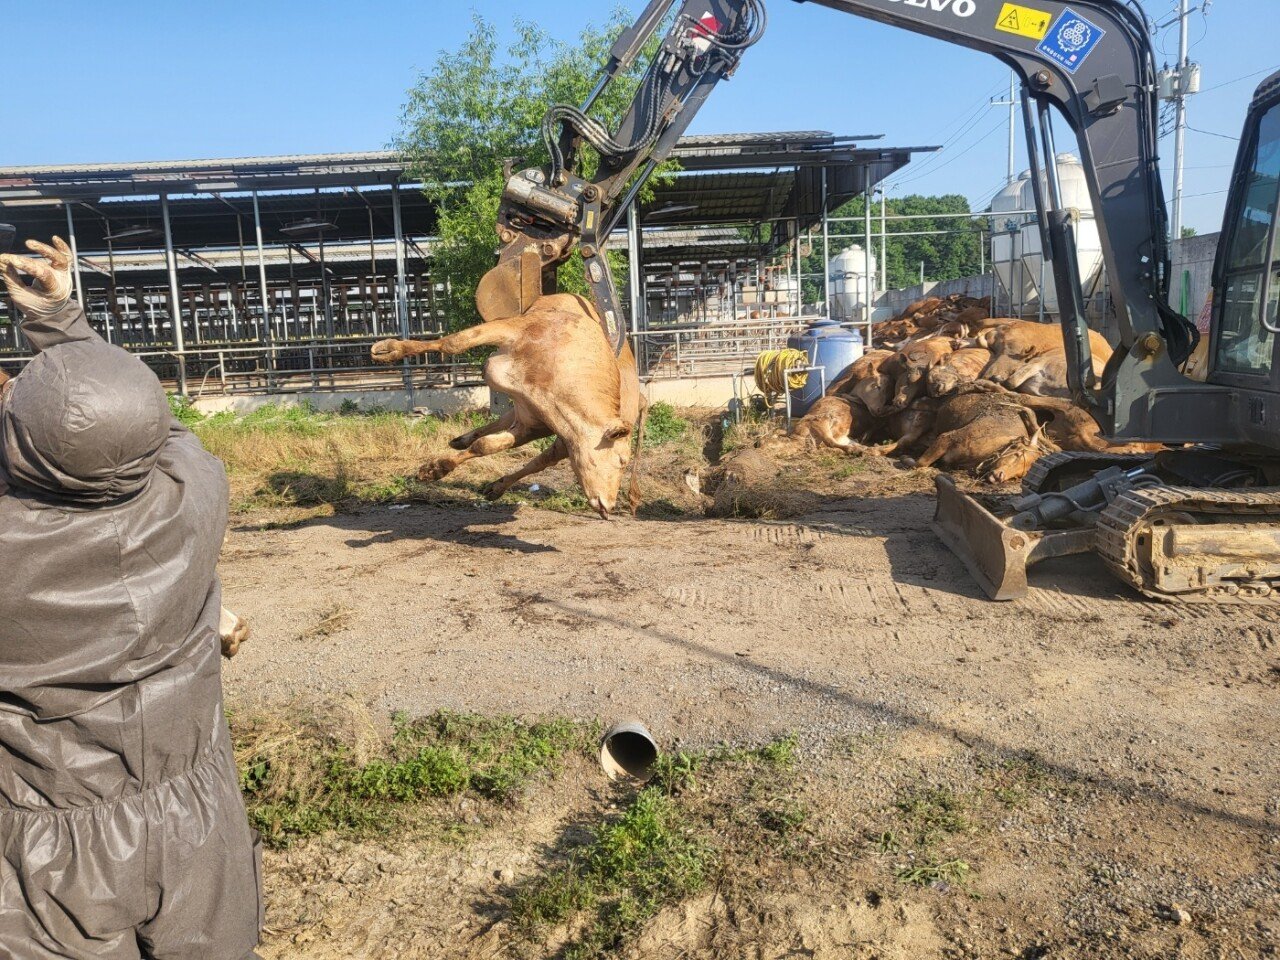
{"x":950,"y":252}
{"x":480,"y":105}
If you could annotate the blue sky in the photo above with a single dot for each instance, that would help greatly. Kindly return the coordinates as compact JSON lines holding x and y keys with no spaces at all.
{"x":138,"y":79}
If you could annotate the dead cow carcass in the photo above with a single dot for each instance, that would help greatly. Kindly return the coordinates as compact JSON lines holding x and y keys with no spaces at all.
{"x":557,"y":366}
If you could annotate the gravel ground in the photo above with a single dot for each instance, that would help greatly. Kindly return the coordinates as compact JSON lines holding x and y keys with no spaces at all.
{"x":853,"y":622}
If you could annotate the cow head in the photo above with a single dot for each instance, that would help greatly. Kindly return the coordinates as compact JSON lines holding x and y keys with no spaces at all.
{"x":942,"y":381}
{"x":600,"y":461}
{"x":1015,"y":460}
{"x":875,"y":392}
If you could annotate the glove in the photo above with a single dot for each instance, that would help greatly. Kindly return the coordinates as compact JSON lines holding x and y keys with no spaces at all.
{"x":51,"y":278}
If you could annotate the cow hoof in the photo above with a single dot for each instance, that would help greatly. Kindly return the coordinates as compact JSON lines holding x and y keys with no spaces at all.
{"x":494,"y":491}
{"x":434,"y":470}
{"x":386,"y":351}
{"x":232,"y":639}
{"x":462,"y":442}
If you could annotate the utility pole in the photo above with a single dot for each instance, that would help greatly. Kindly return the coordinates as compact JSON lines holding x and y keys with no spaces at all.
{"x":1180,"y":121}
{"x":1012,"y":104}
{"x":1177,"y":85}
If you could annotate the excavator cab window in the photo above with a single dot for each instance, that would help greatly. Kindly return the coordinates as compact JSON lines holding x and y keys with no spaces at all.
{"x":1245,"y":344}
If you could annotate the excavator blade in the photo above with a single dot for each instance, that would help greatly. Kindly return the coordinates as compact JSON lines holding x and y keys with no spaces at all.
{"x":996,"y":554}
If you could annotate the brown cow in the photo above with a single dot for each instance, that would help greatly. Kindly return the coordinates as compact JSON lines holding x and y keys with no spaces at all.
{"x":564,"y":379}
{"x":1026,"y":340}
{"x":835,"y":421}
{"x":962,"y":366}
{"x":870,"y":379}
{"x":905,"y":428}
{"x":977,"y":429}
{"x":917,"y":359}
{"x":1072,"y":428}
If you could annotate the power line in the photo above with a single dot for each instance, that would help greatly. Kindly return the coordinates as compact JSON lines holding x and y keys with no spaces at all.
{"x":925,"y":171}
{"x":1247,"y":76}
{"x":1210,"y":133}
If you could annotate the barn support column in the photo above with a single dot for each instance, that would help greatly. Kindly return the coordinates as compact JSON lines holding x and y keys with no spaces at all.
{"x":175,"y":296}
{"x":826,"y":252}
{"x":402,"y":293}
{"x":265,"y":333}
{"x":75,"y":263}
{"x":635,"y":278}
{"x":869,"y":275}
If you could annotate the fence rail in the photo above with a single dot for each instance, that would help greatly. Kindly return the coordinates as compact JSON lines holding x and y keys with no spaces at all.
{"x":309,"y":366}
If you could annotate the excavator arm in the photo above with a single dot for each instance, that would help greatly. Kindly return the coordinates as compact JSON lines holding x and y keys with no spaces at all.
{"x":547,"y":212}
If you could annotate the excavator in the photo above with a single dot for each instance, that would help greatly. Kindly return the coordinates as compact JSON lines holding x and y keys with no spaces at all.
{"x":1198,"y":522}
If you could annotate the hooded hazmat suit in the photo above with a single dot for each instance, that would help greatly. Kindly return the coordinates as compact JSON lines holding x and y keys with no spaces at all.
{"x":122,"y":829}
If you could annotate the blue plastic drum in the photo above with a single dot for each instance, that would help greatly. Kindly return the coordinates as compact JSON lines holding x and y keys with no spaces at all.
{"x":831,"y":345}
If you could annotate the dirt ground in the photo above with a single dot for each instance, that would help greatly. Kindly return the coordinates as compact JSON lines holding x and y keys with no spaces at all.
{"x":1152,"y":829}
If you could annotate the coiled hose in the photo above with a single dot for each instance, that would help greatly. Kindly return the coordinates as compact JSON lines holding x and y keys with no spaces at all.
{"x":773,"y":371}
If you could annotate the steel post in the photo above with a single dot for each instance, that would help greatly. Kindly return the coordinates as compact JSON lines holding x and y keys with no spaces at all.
{"x":826,"y":253}
{"x":175,"y":296}
{"x":265,"y":333}
{"x":402,"y":294}
{"x":635,"y":278}
{"x":75,"y":259}
{"x":868,"y":274}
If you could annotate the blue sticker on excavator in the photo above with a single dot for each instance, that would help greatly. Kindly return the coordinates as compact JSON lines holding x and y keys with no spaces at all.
{"x":1070,"y":40}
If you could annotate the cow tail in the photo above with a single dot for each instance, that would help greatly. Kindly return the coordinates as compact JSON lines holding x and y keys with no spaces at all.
{"x":633,"y":486}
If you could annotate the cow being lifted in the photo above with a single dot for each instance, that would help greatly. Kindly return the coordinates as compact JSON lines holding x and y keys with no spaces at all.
{"x":565,"y":381}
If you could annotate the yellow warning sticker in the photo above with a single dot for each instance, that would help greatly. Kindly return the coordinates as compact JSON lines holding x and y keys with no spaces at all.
{"x":1024,"y":21}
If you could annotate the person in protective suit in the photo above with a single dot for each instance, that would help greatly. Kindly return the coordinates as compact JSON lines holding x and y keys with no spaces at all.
{"x":122,"y":829}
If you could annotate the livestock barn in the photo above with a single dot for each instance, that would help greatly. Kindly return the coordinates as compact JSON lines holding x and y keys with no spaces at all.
{"x":338,"y":249}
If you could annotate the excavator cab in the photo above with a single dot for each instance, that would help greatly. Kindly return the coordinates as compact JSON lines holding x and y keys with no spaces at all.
{"x":1246,"y":280}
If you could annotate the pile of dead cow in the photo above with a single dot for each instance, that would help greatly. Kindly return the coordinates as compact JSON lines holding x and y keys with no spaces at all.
{"x":948,"y":385}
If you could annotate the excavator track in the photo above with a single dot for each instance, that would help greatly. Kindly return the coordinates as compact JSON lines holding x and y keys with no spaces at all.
{"x":1044,"y":473}
{"x":1134,"y":533}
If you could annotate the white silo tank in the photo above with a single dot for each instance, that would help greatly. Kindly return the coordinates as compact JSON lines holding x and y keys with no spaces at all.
{"x":788,"y":302}
{"x":1006,"y":244}
{"x":1075,"y":193}
{"x":849,"y":286}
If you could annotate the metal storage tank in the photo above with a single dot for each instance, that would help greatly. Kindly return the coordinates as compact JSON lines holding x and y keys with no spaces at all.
{"x":1075,"y":193}
{"x":1006,"y":246}
{"x":830,"y":345}
{"x":849,"y":292}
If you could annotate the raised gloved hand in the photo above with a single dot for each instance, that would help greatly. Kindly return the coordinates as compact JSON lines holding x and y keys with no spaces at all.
{"x":51,"y":278}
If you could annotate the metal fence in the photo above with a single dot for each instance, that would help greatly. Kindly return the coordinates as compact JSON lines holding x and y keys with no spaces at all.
{"x":313,"y":366}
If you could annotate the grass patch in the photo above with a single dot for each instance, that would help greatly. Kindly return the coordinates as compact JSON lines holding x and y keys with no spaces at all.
{"x":932,"y":872}
{"x":304,"y":774}
{"x":702,"y":815}
{"x":665,"y":425}
{"x":635,"y":866}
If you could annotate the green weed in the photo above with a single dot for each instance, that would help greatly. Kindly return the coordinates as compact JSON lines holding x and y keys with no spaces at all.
{"x":645,"y":860}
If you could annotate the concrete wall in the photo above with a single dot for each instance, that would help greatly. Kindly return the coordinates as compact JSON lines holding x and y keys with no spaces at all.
{"x":710,"y":391}
{"x":893,"y":302}
{"x":442,"y":402}
{"x":1191,"y":276}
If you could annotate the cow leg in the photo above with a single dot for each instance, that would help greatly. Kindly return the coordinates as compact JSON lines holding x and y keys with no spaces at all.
{"x":511,"y":435}
{"x":938,"y":449}
{"x":467,"y":439}
{"x":495,"y":333}
{"x":552,"y":455}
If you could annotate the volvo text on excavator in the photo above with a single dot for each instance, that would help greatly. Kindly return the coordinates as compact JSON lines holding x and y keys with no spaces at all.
{"x":1197,"y":522}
